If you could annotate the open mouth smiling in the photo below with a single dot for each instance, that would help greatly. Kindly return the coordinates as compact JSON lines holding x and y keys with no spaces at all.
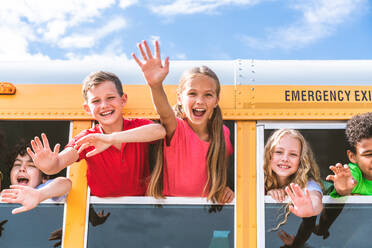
{"x":107,"y":113}
{"x":199,"y":112}
{"x":22,"y":180}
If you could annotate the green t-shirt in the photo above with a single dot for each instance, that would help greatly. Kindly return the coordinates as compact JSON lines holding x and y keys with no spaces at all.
{"x":363,"y":187}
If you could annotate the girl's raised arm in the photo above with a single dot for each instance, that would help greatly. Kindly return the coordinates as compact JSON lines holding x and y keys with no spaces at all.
{"x":155,"y":73}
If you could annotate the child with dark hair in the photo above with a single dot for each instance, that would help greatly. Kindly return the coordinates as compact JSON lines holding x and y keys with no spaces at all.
{"x":29,"y":186}
{"x":355,"y":177}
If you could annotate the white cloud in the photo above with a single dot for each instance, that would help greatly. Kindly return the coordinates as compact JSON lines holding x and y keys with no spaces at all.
{"x":126,"y":3}
{"x":196,"y":6}
{"x":320,"y":19}
{"x":90,"y":37}
{"x":25,"y":21}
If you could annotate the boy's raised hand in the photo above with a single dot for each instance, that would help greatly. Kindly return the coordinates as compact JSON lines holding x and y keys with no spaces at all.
{"x":343,"y":179}
{"x":41,"y":154}
{"x":152,"y":67}
{"x":27,"y":196}
{"x":302,"y":203}
{"x":100,"y":142}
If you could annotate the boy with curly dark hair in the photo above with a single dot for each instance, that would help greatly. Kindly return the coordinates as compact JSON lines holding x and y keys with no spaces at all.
{"x":356,"y":177}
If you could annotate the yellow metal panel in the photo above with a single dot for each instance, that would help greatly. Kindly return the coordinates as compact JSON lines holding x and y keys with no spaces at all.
{"x":291,"y":102}
{"x":64,"y":102}
{"x":76,"y":206}
{"x":246,"y":219}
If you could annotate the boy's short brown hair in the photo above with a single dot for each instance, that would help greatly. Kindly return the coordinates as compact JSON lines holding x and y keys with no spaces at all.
{"x":358,"y":127}
{"x":96,"y":78}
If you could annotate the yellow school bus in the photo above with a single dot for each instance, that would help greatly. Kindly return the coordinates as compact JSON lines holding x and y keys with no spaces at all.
{"x":257,"y":97}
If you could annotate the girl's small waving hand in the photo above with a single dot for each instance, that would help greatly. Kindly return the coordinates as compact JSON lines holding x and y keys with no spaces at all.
{"x":302,"y":202}
{"x":152,"y":67}
{"x":155,"y":72}
{"x":343,"y":179}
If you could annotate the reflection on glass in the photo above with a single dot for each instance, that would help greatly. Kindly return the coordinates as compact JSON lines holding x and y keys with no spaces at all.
{"x":30,"y":229}
{"x":349,"y":228}
{"x":177,"y":226}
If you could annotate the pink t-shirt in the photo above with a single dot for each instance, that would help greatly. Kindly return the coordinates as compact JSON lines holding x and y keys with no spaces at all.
{"x":185,"y":162}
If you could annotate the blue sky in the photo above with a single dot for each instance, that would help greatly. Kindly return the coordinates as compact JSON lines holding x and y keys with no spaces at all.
{"x":43,"y":30}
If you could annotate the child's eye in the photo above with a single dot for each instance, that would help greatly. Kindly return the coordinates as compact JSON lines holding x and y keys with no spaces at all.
{"x":294,"y":154}
{"x":95,"y":101}
{"x":278,"y":152}
{"x":192,"y":94}
{"x":111,"y":97}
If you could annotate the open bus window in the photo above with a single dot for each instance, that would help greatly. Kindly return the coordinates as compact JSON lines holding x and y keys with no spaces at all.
{"x":173,"y":222}
{"x":337,"y":225}
{"x":47,"y":217}
{"x":12,"y":132}
{"x":328,"y":145}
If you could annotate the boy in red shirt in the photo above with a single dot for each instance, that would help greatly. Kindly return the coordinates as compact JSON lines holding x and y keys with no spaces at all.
{"x":114,"y":168}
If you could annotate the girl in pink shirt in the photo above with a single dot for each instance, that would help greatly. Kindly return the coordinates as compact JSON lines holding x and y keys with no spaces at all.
{"x":195,"y":157}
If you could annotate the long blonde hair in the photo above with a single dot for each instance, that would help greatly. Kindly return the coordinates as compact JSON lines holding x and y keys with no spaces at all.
{"x":307,"y":170}
{"x":216,"y":156}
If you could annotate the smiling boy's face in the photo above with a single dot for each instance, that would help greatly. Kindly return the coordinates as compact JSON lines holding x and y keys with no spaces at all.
{"x":363,"y":157}
{"x":24,"y":172}
{"x":105,"y":105}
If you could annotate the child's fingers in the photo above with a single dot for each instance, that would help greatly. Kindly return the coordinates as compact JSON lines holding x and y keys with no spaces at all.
{"x":333,"y":169}
{"x":330,"y":178}
{"x":92,"y":153}
{"x":83,"y":147}
{"x":297,"y":190}
{"x":290,"y":194}
{"x":137,"y":60}
{"x":142,"y":51}
{"x":29,"y":151}
{"x":20,"y":187}
{"x":38,"y":143}
{"x":157,"y":49}
{"x":148,"y":50}
{"x":166,"y":64}
{"x":34,"y":146}
{"x":45,"y":141}
{"x":56,"y":148}
{"x":19,"y":210}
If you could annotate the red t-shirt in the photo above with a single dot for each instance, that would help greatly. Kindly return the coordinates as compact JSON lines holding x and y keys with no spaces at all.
{"x":185,"y":162}
{"x":116,"y":172}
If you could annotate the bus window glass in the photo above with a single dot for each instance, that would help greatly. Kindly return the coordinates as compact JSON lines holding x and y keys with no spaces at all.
{"x":329,"y":147}
{"x":30,"y":229}
{"x":178,"y":226}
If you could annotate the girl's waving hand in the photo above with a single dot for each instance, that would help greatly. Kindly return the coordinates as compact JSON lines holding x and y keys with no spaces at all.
{"x":154,"y":73}
{"x":152,"y":67}
{"x":303,"y":205}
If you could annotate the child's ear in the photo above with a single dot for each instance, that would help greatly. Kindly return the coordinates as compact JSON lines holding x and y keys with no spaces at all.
{"x":87,"y":109}
{"x":124,"y":98}
{"x":352,"y":156}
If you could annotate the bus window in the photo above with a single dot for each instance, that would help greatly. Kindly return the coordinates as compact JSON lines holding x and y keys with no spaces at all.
{"x":32,"y":228}
{"x":48,"y":216}
{"x":171,"y":222}
{"x":12,"y":132}
{"x":153,"y":225}
{"x":327,"y":141}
